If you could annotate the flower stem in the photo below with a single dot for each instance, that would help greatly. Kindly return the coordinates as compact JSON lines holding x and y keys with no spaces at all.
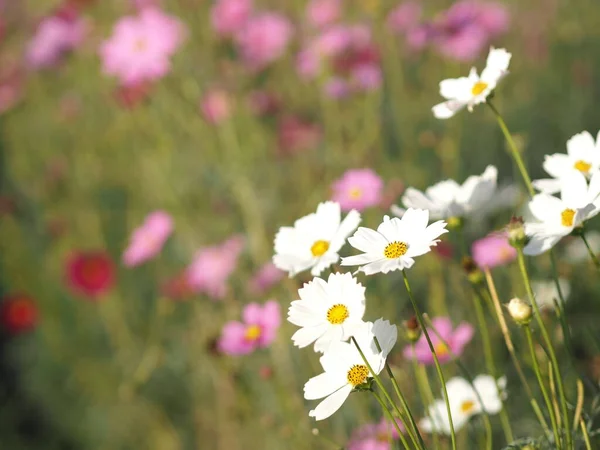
{"x":538,"y":374}
{"x":424,"y":388}
{"x":438,"y":368}
{"x":590,"y":251}
{"x":548,"y":342}
{"x":390,"y":416}
{"x":513,"y":148}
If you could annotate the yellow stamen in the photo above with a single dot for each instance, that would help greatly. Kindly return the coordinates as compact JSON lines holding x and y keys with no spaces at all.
{"x":467,"y":406}
{"x":479,"y":87}
{"x":395,"y":250}
{"x":253,"y":332}
{"x":355,"y":193}
{"x":582,"y":166}
{"x":358,"y":374}
{"x":441,"y":349}
{"x":140,"y":45}
{"x":319,"y":248}
{"x":567,"y":217}
{"x":337,"y":314}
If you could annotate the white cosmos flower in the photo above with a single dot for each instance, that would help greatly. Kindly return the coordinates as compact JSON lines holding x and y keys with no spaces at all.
{"x":449,"y":199}
{"x":583,"y":155}
{"x":465,"y":403}
{"x":345,"y":369}
{"x":328,"y":311}
{"x":545,"y":292}
{"x":314,"y":240}
{"x":559,"y":217}
{"x":396,"y":242}
{"x":474,"y":89}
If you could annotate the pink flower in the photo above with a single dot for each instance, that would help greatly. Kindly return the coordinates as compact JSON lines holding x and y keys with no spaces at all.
{"x":258,"y":329}
{"x":295,"y":135}
{"x":141,"y":47}
{"x":404,"y":16}
{"x":212,"y":266}
{"x":456,"y":340}
{"x":358,"y":189}
{"x":337,"y":88}
{"x":367,"y":77}
{"x":216,"y":106}
{"x":267,"y":276}
{"x":264,"y":39}
{"x":148,"y":239}
{"x":54,"y":37}
{"x":229,"y":16}
{"x":375,"y":436}
{"x":493,"y":250}
{"x":323,"y":12}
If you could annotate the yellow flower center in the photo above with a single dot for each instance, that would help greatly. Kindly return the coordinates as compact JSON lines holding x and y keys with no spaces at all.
{"x":395,"y":250}
{"x":355,"y":193}
{"x":337,"y":314}
{"x":467,"y":406}
{"x":140,"y":45}
{"x":582,"y":166}
{"x":358,"y":374}
{"x":479,"y":87}
{"x":567,"y":217}
{"x":319,"y":248}
{"x":441,"y":349}
{"x":253,"y":332}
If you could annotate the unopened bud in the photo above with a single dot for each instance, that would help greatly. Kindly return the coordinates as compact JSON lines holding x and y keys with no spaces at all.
{"x":516,"y":232}
{"x":454,"y":223}
{"x":520,"y":311}
{"x":412,"y":329}
{"x":474,"y":274}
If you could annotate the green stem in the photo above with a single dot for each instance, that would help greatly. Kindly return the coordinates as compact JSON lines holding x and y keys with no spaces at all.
{"x":590,"y":251}
{"x":438,"y":368}
{"x":424,"y":389}
{"x":548,"y":341}
{"x":538,"y":374}
{"x":513,"y":148}
{"x":390,"y":416}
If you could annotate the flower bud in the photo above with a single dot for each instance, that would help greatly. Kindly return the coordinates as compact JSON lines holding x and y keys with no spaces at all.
{"x":474,"y":274}
{"x":520,"y":311}
{"x":412,"y":329}
{"x":454,"y":223}
{"x":516,"y":232}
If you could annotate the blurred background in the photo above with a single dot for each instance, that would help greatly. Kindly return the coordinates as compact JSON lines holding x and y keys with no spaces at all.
{"x":149,"y":152}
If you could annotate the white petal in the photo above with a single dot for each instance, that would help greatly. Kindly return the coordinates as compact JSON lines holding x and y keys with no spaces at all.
{"x":447,"y":109}
{"x":540,"y":244}
{"x":386,"y":334}
{"x":498,"y":59}
{"x":545,"y":207}
{"x":574,"y":189}
{"x":346,"y":228}
{"x":557,"y":164}
{"x":321,"y":386}
{"x":547,"y":185}
{"x":358,"y":260}
{"x":581,"y":146}
{"x":367,"y":240}
{"x":455,"y":88}
{"x":331,"y":404}
{"x":305,"y":336}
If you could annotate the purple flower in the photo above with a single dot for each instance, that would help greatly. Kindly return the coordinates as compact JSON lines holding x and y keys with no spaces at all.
{"x":375,"y":436}
{"x":258,"y":329}
{"x":229,"y":16}
{"x":493,"y":250}
{"x":267,"y":276}
{"x":54,"y":37}
{"x":456,"y":339}
{"x":212,"y":266}
{"x":358,"y":189}
{"x":148,"y":239}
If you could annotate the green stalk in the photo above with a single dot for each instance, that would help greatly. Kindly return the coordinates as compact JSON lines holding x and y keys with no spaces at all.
{"x":438,"y":368}
{"x":389,"y":415}
{"x":590,"y":251}
{"x":424,"y":389}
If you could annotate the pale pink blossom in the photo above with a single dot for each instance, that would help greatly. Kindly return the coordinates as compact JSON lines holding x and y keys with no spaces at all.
{"x":375,"y":436}
{"x":337,"y":88}
{"x":229,"y":16}
{"x":212,"y":266}
{"x":264,"y":39}
{"x":257,"y":330}
{"x":54,"y":37}
{"x":216,"y":106}
{"x":453,"y":341}
{"x":367,"y":77}
{"x":358,"y":189}
{"x":148,"y":239}
{"x":320,"y":13}
{"x":493,"y":250}
{"x":140,"y":47}
{"x":266,"y":277}
{"x":404,"y":16}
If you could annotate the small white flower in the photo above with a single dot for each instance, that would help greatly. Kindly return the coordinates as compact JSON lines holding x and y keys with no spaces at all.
{"x":345,"y":368}
{"x":583,"y":155}
{"x":328,"y":311}
{"x":396,"y":242}
{"x":559,"y":217}
{"x":545,"y":292}
{"x":474,"y":89}
{"x":449,"y":199}
{"x":464,"y":403}
{"x":576,"y":251}
{"x":314,"y":240}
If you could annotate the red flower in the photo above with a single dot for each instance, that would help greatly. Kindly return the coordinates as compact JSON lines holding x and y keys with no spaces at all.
{"x":90,"y":273}
{"x":18,"y":313}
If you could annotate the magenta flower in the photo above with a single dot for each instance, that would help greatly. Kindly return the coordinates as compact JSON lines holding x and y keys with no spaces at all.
{"x":405,"y":16}
{"x":229,"y":16}
{"x":215,"y":106}
{"x":212,"y":266}
{"x":148,"y":239}
{"x":375,"y":436}
{"x":493,"y":250}
{"x":320,"y":13}
{"x":258,"y":329}
{"x":358,"y":189}
{"x":266,"y":277}
{"x":141,"y":47}
{"x":456,"y":339}
{"x":54,"y":37}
